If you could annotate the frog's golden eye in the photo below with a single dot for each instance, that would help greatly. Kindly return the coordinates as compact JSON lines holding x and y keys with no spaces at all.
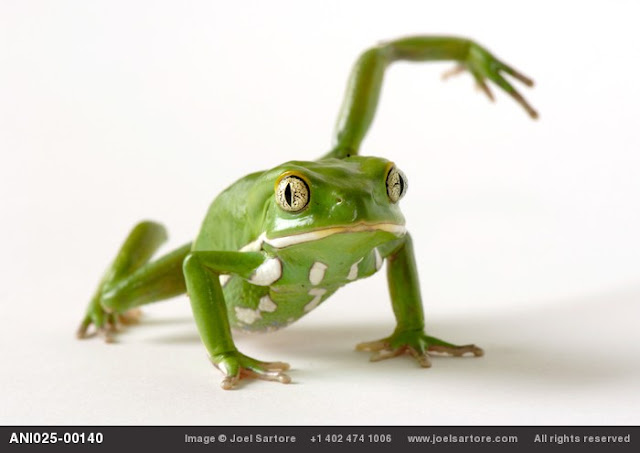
{"x":292,"y":194}
{"x":396,"y":184}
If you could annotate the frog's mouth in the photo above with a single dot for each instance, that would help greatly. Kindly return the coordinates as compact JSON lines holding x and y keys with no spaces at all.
{"x":286,"y":241}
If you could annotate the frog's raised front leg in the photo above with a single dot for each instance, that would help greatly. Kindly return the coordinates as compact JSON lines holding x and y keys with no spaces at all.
{"x":409,"y":336}
{"x":132,"y":281}
{"x":363,"y":90}
{"x":202,"y":270}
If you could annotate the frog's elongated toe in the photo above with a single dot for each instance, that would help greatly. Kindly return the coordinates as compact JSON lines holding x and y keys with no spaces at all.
{"x":81,"y":331}
{"x":237,"y":366}
{"x":457,"y":351}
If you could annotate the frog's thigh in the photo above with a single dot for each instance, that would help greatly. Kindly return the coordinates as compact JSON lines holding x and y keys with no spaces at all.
{"x":155,"y":281}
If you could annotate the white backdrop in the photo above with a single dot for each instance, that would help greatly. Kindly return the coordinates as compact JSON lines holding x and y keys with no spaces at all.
{"x":526,"y":232}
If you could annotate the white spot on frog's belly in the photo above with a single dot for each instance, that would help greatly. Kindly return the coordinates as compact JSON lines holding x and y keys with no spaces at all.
{"x":317,"y":293}
{"x":247,"y":315}
{"x":316,"y":274}
{"x":353,"y":271}
{"x":266,"y":304}
{"x":267,"y":273}
{"x":378,"y":259}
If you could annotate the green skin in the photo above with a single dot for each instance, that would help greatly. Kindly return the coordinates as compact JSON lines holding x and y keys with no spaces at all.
{"x":259,"y":266}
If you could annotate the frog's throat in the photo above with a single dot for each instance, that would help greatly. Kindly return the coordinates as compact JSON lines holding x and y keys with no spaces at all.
{"x":286,"y":241}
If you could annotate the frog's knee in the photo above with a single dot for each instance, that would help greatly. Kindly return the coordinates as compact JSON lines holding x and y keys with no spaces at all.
{"x":149,"y":228}
{"x":190,"y":263}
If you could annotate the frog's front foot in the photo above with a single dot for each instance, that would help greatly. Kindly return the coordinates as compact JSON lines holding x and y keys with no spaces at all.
{"x":236,"y":366}
{"x":484,"y":66}
{"x":416,"y":343}
{"x":106,"y":324}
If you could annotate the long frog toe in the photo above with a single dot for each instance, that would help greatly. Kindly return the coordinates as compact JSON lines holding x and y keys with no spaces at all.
{"x":266,"y":375}
{"x":373,"y":346}
{"x":108,"y":331}
{"x":457,"y":351}
{"x":96,"y":317}
{"x":386,"y":353}
{"x":275,"y":366}
{"x":441,"y":347}
{"x":422,"y":357}
{"x":229,"y":382}
{"x":83,"y":328}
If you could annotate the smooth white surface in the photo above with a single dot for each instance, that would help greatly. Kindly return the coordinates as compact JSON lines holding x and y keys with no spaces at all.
{"x":526,"y":233}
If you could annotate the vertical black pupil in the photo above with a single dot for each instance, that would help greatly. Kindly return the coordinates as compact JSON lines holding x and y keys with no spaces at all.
{"x":401,"y":184}
{"x":288,"y":195}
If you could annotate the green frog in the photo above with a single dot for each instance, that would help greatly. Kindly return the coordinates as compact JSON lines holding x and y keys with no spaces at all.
{"x":278,"y":243}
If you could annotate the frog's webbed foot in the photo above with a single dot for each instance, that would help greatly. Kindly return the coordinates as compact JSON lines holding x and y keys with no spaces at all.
{"x":106,"y":324}
{"x":483,"y":65}
{"x":417,"y":344}
{"x":237,"y":366}
{"x":105,"y":328}
{"x":382,"y":350}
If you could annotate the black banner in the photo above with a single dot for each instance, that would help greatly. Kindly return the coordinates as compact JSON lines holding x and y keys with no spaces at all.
{"x":318,"y":438}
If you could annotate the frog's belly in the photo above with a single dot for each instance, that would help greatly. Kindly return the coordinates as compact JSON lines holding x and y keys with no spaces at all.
{"x":304,"y":284}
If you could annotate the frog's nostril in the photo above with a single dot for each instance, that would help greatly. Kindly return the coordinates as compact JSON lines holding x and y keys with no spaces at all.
{"x":338,"y":200}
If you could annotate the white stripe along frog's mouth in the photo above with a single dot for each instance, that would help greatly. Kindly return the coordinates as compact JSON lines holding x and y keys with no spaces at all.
{"x":286,"y":241}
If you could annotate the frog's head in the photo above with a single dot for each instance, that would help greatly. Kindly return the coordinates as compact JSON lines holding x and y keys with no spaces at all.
{"x":312,"y":200}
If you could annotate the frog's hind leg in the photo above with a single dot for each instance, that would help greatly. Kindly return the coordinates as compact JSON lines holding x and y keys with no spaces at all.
{"x":132,"y":280}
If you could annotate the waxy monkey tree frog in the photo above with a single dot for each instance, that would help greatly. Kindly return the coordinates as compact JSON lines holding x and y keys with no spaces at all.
{"x":277,"y":243}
